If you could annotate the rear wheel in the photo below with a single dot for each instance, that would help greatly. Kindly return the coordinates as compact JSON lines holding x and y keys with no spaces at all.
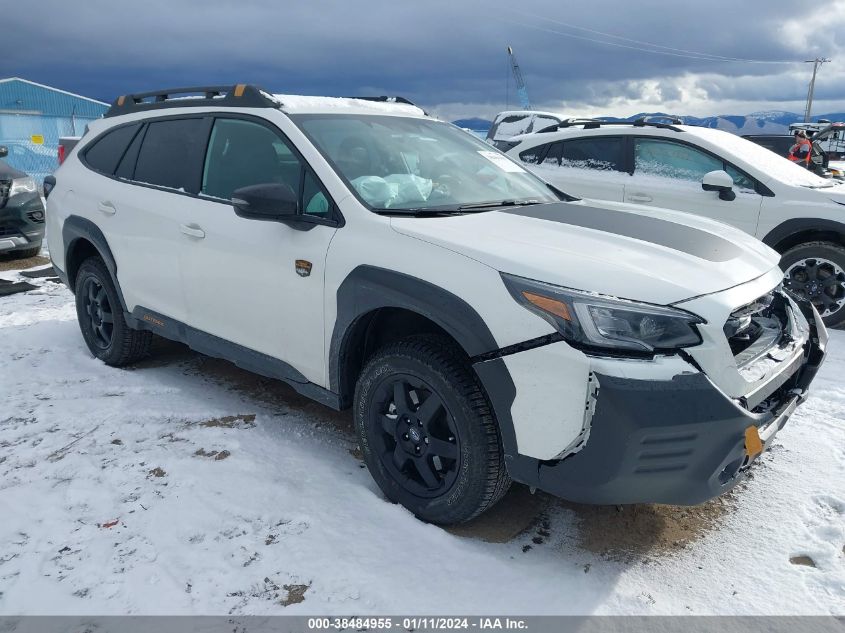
{"x":815,"y":271}
{"x":427,"y":432}
{"x":100,"y":317}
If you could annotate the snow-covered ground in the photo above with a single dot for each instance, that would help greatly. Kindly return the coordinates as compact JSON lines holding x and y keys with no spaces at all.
{"x":184,"y":485}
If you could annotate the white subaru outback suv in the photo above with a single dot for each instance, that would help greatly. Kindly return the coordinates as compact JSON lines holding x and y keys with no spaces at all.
{"x":711,"y":173}
{"x":482,"y":326}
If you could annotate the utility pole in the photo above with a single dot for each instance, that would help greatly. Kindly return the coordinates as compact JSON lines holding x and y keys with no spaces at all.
{"x":818,"y":61}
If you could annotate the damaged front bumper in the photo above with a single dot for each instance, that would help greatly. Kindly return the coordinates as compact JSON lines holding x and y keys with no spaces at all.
{"x":679,"y":440}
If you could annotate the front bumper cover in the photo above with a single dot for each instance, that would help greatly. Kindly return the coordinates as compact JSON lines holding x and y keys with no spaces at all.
{"x":679,"y":441}
{"x":19,"y":230}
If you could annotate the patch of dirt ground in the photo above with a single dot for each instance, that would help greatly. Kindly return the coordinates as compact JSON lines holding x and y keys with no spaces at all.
{"x":8,"y":262}
{"x":636,"y":532}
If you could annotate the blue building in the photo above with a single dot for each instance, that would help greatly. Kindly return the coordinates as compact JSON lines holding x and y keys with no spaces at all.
{"x":34,"y":116}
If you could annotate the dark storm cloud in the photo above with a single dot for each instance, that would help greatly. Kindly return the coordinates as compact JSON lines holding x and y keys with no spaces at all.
{"x":436,"y":52}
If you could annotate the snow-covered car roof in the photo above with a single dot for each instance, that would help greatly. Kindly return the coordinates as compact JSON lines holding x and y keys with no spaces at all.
{"x":344,"y":105}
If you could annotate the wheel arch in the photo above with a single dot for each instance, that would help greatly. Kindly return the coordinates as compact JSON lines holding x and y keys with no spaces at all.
{"x":802,"y":230}
{"x":83,"y":239}
{"x":376,"y":306}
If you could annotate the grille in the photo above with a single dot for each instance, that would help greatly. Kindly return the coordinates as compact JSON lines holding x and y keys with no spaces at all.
{"x":754,"y":329}
{"x":6,"y":231}
{"x":5,"y":185}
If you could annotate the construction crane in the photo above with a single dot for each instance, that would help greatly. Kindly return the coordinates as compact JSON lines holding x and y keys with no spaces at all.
{"x":521,"y":90}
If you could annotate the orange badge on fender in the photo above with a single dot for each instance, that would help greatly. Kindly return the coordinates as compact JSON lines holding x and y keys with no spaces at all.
{"x":303,"y":267}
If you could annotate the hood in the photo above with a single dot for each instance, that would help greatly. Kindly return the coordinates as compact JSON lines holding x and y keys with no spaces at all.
{"x":653,"y":255}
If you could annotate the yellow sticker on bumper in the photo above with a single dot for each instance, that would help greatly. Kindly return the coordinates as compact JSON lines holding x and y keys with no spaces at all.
{"x":753,"y":443}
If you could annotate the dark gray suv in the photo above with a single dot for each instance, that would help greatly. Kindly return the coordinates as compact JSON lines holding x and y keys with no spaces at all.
{"x":21,"y":212}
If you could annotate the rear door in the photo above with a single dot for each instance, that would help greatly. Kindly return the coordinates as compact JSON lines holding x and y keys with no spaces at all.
{"x":668,"y":174}
{"x":157,"y":181}
{"x":256,"y":283}
{"x":587,"y":167}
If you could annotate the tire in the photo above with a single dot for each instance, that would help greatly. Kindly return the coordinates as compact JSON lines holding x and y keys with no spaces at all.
{"x":443,"y":461}
{"x":816,"y":271}
{"x":100,"y":316}
{"x":27,"y":253}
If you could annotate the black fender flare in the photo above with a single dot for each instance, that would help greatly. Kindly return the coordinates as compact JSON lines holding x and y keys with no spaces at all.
{"x":799,"y":225}
{"x":368,"y":288}
{"x":76,"y":228}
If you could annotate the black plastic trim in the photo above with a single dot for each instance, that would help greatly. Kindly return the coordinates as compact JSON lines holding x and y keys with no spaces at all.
{"x":796,"y":226}
{"x":369,"y":288}
{"x":241,"y":356}
{"x":77,"y":228}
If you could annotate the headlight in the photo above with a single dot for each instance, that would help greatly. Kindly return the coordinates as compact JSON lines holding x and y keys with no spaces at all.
{"x":22,"y":185}
{"x":598,"y":321}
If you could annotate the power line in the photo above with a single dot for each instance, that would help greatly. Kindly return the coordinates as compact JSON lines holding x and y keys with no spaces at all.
{"x":669,"y":51}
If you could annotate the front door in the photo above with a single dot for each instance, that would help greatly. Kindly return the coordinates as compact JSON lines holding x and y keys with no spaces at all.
{"x":256,"y":283}
{"x":668,"y":174}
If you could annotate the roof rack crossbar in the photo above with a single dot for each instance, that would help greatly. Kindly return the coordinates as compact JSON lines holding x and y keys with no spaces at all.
{"x":240,"y":95}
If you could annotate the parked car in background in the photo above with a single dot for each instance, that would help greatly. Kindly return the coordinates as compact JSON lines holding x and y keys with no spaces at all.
{"x":711,"y":173}
{"x":482,"y":326}
{"x":831,"y":141}
{"x":66,"y":145}
{"x":512,"y":123}
{"x":21,"y":212}
{"x":37,"y":161}
{"x":781,"y":144}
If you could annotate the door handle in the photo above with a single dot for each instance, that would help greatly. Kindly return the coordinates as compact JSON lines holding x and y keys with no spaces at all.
{"x":107,"y":208}
{"x":639,"y":197}
{"x":192,"y":230}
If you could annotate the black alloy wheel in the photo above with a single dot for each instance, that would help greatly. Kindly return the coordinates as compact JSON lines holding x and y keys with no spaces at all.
{"x":820,"y":281}
{"x":99,"y":310}
{"x":419,"y":442}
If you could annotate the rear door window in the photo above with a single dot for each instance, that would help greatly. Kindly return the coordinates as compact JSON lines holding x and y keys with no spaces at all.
{"x":171,"y":154}
{"x":601,"y":153}
{"x":105,"y":153}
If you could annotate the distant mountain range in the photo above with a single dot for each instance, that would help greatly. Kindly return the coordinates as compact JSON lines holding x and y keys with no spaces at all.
{"x":772,"y":122}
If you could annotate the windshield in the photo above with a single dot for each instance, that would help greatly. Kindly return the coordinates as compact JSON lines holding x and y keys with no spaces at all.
{"x":404,"y":163}
{"x":764,"y":160}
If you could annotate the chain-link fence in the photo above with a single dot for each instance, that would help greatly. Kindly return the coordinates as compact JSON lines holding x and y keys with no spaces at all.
{"x":33,"y":140}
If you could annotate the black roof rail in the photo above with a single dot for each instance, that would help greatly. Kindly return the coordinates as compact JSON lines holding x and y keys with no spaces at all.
{"x":587,"y":123}
{"x":237,"y":96}
{"x":386,"y":99}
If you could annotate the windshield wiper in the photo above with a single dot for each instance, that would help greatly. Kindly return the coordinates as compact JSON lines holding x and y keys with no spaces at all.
{"x":455,"y":210}
{"x":499,"y":203}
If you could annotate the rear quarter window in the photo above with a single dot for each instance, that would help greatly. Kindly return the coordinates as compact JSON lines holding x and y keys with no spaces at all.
{"x":105,"y":152}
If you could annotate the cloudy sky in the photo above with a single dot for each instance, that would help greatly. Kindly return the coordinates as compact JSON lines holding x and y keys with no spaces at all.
{"x":600,"y":57}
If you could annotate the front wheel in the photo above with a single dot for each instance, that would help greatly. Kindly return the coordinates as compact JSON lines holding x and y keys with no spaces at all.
{"x":815,"y":271}
{"x":427,"y":432}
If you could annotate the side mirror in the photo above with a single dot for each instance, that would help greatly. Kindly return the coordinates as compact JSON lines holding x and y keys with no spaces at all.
{"x":720,"y":181}
{"x":4,"y":151}
{"x":49,"y":185}
{"x":272,"y":202}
